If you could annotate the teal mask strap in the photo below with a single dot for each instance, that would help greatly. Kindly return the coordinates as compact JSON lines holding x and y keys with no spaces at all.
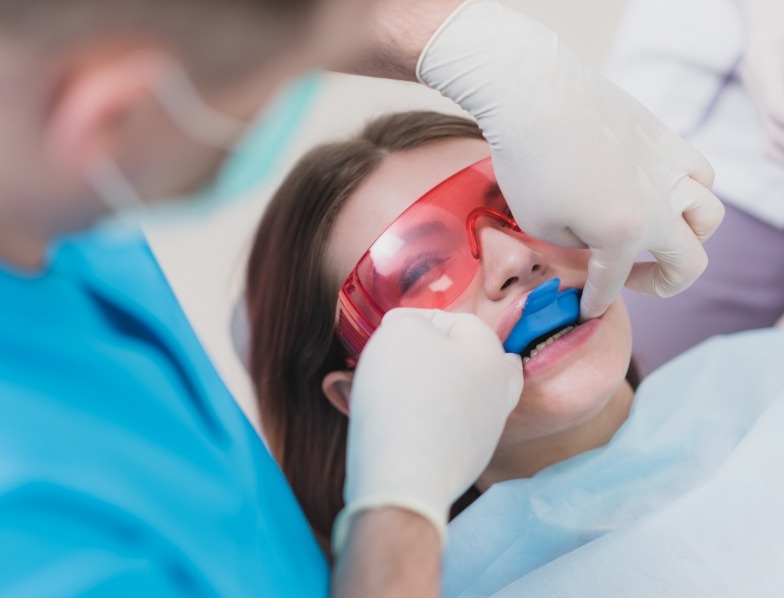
{"x":260,"y":150}
{"x":250,"y":163}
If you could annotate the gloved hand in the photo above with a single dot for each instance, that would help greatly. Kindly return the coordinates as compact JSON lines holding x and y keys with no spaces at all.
{"x":580,"y":162}
{"x":429,"y":401}
{"x":763,"y":67}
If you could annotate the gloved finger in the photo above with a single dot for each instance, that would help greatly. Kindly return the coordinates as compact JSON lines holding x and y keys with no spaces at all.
{"x":698,"y":166}
{"x":608,"y":269}
{"x":406,"y":313}
{"x":406,"y":316}
{"x":462,"y":326}
{"x":452,"y":324}
{"x":516,"y":382}
{"x":702,"y":211}
{"x":515,"y":360}
{"x":409,"y":321}
{"x":677,"y":265}
{"x":562,"y":236}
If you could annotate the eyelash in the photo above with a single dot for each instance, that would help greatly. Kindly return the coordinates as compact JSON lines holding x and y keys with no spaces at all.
{"x":418,"y":268}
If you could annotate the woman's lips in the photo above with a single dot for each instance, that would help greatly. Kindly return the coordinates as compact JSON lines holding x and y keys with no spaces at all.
{"x":514,"y":312}
{"x":556,"y":351}
{"x":562,"y":348}
{"x":511,"y":316}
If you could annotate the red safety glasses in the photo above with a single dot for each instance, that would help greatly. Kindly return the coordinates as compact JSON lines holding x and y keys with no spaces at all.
{"x":426,"y":258}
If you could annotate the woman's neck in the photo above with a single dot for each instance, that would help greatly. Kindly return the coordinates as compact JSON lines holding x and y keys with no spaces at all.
{"x":525,"y":458}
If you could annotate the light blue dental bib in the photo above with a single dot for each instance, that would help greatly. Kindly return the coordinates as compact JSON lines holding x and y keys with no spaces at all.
{"x":686,"y":500}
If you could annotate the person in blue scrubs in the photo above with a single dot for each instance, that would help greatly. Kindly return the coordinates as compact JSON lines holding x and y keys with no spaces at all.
{"x":127,"y":468}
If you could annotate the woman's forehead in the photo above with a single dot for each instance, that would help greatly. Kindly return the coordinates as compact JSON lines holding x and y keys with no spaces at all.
{"x":400,"y":179}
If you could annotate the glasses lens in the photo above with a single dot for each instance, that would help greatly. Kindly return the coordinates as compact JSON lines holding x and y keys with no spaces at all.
{"x":424,"y":259}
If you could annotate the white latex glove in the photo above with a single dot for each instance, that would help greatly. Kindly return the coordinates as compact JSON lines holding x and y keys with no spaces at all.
{"x":763,"y":67}
{"x":580,"y":162}
{"x":430,"y":398}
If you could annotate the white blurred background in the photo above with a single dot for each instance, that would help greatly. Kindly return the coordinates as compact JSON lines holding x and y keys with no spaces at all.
{"x":204,"y":257}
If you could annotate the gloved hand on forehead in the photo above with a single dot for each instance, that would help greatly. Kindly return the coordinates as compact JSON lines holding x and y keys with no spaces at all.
{"x":429,"y":400}
{"x":763,"y":67}
{"x":580,"y":162}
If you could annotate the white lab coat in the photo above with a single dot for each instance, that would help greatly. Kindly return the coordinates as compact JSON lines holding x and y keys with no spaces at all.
{"x":681,"y":59}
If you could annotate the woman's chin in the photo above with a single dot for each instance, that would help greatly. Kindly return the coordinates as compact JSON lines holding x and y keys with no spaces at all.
{"x":538,"y":415}
{"x":559,"y":400}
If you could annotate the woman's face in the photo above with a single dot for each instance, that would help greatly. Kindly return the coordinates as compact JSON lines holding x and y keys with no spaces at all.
{"x":569,"y":381}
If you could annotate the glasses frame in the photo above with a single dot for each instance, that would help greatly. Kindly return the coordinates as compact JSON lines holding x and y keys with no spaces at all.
{"x":358,"y":313}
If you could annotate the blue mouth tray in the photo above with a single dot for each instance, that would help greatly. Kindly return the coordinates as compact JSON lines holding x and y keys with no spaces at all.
{"x":545,"y":309}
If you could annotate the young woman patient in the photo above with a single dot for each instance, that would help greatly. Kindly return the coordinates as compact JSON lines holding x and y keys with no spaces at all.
{"x":314,"y":295}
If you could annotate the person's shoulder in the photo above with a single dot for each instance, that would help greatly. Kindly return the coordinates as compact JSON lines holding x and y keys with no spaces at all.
{"x":118,"y":261}
{"x":118,"y":248}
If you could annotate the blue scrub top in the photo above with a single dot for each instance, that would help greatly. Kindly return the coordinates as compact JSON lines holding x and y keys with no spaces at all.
{"x":126,"y":467}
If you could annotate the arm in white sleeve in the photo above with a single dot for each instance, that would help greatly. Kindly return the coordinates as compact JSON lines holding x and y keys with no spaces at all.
{"x":763,"y":67}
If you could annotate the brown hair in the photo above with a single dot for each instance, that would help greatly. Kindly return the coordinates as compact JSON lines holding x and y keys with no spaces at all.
{"x":291,"y":306}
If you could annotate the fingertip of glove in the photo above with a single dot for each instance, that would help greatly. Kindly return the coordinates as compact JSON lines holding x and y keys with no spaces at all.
{"x":514,"y":359}
{"x":588,"y":311}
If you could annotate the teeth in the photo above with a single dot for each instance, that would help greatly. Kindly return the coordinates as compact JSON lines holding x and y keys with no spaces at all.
{"x":544,"y":344}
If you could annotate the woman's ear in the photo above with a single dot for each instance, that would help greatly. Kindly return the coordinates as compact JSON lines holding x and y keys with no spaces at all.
{"x":337,"y":388}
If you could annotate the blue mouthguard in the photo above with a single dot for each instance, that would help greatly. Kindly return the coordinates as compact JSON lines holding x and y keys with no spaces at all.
{"x":545,"y":309}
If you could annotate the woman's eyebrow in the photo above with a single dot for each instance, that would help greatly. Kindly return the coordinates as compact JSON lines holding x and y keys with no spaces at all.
{"x":492,"y":194}
{"x":424,"y":229}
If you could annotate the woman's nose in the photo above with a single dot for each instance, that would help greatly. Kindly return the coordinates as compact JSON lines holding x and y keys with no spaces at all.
{"x":509,"y":264}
